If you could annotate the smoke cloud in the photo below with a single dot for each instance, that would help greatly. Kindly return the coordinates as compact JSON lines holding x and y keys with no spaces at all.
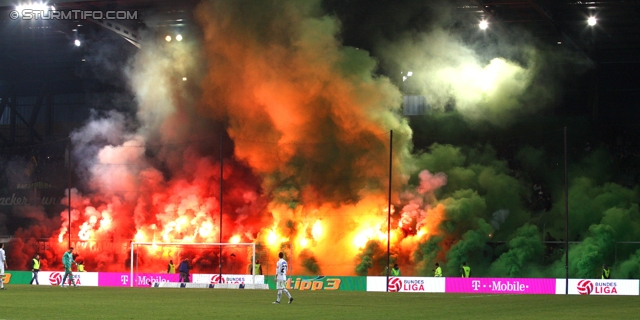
{"x":293,"y":125}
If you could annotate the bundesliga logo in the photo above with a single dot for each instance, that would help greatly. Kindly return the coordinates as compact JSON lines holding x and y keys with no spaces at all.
{"x":55,"y":278}
{"x":217,"y":279}
{"x":395,"y":284}
{"x":585,"y":287}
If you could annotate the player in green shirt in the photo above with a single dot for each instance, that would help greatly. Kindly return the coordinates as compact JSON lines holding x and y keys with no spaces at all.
{"x":67,"y":260}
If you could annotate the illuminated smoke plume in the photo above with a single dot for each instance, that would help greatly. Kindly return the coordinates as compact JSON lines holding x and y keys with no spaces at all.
{"x":480,"y":85}
{"x":304,"y":125}
{"x":306,"y":128}
{"x":310,"y":118}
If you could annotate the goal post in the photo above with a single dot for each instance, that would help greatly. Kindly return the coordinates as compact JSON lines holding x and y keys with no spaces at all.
{"x":135,"y":245}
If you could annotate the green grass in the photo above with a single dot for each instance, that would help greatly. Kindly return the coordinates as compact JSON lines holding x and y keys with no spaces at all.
{"x":45,"y":302}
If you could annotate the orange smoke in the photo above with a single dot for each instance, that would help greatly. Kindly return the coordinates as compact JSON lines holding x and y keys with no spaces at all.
{"x":304,"y":124}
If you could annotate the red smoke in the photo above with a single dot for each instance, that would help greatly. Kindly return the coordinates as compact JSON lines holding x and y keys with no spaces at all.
{"x":306,"y":151}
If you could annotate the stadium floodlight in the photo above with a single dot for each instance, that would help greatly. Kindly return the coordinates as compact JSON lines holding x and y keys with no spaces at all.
{"x":184,"y":78}
{"x":484,"y":24}
{"x":77,"y":42}
{"x":179,"y":37}
{"x":168,"y":38}
{"x":409,"y":74}
{"x":155,"y":245}
{"x":40,"y":6}
{"x":592,"y":21}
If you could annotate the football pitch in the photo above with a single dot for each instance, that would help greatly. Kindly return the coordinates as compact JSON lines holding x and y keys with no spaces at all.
{"x":46,"y":302}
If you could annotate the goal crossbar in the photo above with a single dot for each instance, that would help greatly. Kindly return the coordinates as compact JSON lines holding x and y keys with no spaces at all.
{"x":208,"y":244}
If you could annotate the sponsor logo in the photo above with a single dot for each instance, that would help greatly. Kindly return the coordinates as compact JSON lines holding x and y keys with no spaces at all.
{"x":395,"y":284}
{"x":413,"y":285}
{"x":55,"y":278}
{"x":216,"y":278}
{"x":586,"y":287}
{"x":148,"y":280}
{"x":407,"y":285}
{"x":499,"y":286}
{"x":319,"y":283}
{"x":234,"y":280}
{"x":124,"y":279}
{"x":6,"y":278}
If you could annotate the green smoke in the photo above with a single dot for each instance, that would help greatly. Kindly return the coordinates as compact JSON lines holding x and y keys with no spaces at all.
{"x":370,"y":258}
{"x":523,"y":256}
{"x":426,"y":254}
{"x":310,"y":262}
{"x":491,"y":218}
{"x":471,"y":243}
{"x":629,"y":269}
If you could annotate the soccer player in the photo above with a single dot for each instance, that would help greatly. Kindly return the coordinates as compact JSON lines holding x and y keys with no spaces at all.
{"x":67,"y":260}
{"x":281,"y":278}
{"x":3,"y":265}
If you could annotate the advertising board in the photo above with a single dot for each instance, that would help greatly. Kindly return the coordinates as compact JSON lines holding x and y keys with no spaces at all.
{"x":123,"y":279}
{"x":54,"y":278}
{"x":226,"y":278}
{"x":17,"y":277}
{"x":329,"y":283}
{"x":406,"y":284}
{"x":609,"y":287}
{"x":501,"y":285}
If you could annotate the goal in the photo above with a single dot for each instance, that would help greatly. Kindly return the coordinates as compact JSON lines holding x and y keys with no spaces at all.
{"x":155,"y":249}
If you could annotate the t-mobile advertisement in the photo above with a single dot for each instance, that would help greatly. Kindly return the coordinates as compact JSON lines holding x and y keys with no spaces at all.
{"x":501,"y":285}
{"x":123,"y":279}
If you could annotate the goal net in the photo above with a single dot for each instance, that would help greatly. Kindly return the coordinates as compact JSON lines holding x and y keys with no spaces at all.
{"x":208,"y":262}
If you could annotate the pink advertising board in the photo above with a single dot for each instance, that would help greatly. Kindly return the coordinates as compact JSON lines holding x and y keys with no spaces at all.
{"x":123,"y":279}
{"x":500,"y":285}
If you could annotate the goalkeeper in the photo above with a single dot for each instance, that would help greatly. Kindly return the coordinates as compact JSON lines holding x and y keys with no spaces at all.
{"x":67,"y":260}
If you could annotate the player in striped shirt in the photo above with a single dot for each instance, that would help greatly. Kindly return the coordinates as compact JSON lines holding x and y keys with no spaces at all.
{"x":281,"y":278}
